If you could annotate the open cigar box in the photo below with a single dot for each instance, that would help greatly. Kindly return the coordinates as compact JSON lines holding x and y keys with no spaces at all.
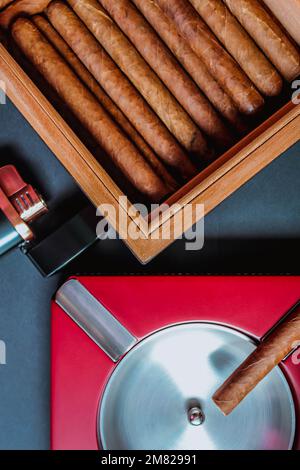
{"x":277,"y":129}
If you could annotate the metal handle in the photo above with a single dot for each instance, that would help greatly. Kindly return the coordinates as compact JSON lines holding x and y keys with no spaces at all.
{"x":95,"y":320}
{"x":274,"y":348}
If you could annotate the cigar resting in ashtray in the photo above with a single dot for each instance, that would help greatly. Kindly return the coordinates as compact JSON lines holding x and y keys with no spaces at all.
{"x":220,"y":64}
{"x":87,"y":109}
{"x":142,"y":76}
{"x":240,"y":45}
{"x":62,"y":47}
{"x":162,"y":61}
{"x":268,"y":35}
{"x":196,"y":68}
{"x":272,"y":350}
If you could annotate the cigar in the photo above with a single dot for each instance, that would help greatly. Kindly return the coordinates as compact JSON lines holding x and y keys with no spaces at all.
{"x":268,"y":35}
{"x":55,"y":99}
{"x":162,"y":61}
{"x":282,"y":11}
{"x":142,"y":76}
{"x":220,"y":64}
{"x":4,"y":3}
{"x":167,"y":30}
{"x":87,"y":109}
{"x":22,"y":7}
{"x":62,"y":47}
{"x":239,"y":44}
{"x":273,"y":349}
{"x":118,"y":87}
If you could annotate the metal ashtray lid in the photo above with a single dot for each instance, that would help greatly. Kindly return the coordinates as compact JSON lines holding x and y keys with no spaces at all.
{"x":159,"y":396}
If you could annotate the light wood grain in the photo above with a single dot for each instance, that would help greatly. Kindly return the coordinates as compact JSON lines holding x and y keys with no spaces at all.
{"x":233,"y":157}
{"x":226,"y":185}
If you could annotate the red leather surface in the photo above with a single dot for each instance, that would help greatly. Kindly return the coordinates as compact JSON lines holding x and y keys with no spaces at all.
{"x":80,"y":370}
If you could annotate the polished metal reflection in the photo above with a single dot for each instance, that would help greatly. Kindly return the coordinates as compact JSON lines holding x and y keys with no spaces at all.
{"x":148,"y":397}
{"x":196,"y":416}
{"x":94,"y":319}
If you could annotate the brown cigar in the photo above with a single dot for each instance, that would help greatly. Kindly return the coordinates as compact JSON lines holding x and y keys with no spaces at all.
{"x":166,"y":29}
{"x":268,"y":35}
{"x":220,"y":64}
{"x":62,"y":47}
{"x":56,"y":101}
{"x":282,"y":11}
{"x":23,"y":7}
{"x":118,"y":87}
{"x":162,"y":61}
{"x":276,"y":347}
{"x":141,"y":75}
{"x":4,"y":3}
{"x":87,"y":109}
{"x":239,"y":44}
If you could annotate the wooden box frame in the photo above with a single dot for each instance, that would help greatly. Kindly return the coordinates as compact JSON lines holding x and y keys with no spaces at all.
{"x":210,"y":187}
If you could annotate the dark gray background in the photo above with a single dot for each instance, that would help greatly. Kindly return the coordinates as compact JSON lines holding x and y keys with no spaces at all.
{"x":255,"y":231}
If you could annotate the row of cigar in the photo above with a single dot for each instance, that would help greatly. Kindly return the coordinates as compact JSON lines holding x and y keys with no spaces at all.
{"x":161,"y":85}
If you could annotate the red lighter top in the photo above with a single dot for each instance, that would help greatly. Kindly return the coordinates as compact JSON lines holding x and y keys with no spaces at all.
{"x":19,"y":202}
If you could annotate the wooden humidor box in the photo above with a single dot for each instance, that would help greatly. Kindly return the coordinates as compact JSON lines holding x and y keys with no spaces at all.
{"x":214,"y":184}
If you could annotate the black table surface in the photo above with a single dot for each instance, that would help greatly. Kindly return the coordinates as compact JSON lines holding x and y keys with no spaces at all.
{"x":256,"y":230}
